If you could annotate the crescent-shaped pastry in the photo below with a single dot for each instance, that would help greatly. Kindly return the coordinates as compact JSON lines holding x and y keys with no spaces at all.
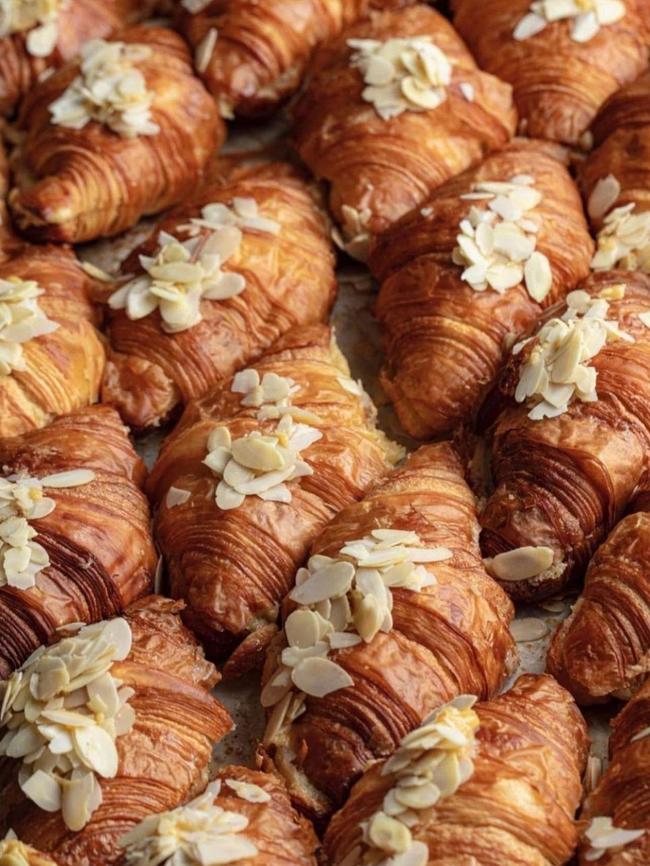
{"x":602,"y":649}
{"x":463,"y":274}
{"x":563,"y":59}
{"x":403,"y":618}
{"x":51,"y":356}
{"x":96,"y":158}
{"x":616,"y":818}
{"x":251,"y":56}
{"x":486,"y":785}
{"x":71,"y":505}
{"x":177,"y":331}
{"x":243,"y":816}
{"x":38,"y":37}
{"x":569,"y":432}
{"x":140,"y":685}
{"x":396,"y":105}
{"x":251,"y":475}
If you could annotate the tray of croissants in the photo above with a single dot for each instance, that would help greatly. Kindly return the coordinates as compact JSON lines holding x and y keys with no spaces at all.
{"x":324,"y":433}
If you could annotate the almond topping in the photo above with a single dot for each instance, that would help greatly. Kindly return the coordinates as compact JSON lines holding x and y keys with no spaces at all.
{"x":586,"y":16}
{"x":38,"y":19}
{"x":602,"y":835}
{"x":21,"y":320}
{"x":624,"y":241}
{"x":521,"y":563}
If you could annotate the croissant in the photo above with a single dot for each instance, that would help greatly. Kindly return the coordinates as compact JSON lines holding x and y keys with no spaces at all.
{"x":243,"y":815}
{"x":151,"y":753}
{"x":488,"y":785}
{"x":96,"y":159}
{"x":566,"y":463}
{"x":253,"y":57}
{"x":562,"y":59}
{"x":95,"y":542}
{"x":446,"y":631}
{"x":172,"y":346}
{"x":51,"y":356}
{"x":396,"y":106}
{"x":232,"y":551}
{"x":447,"y":306}
{"x":35,"y":38}
{"x":616,"y":817}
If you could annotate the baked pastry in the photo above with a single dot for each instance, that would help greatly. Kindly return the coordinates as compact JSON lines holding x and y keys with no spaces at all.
{"x":356,"y":669}
{"x":395,"y":106}
{"x":38,"y":37}
{"x":90,"y":553}
{"x":253,"y":57}
{"x":601,"y":650}
{"x":616,"y":819}
{"x":614,"y":179}
{"x":469,"y":270}
{"x":174,"y":335}
{"x":563,"y":59}
{"x":125,"y":131}
{"x":568,"y":429}
{"x":486,"y":785}
{"x":51,"y":356}
{"x":150,"y":725}
{"x":251,"y":475}
{"x":243,"y":816}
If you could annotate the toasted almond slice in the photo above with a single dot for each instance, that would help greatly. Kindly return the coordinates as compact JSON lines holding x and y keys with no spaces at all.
{"x":521,"y":563}
{"x":205,"y":49}
{"x":388,"y":834}
{"x":603,"y":196}
{"x":528,"y":629}
{"x":319,"y":677}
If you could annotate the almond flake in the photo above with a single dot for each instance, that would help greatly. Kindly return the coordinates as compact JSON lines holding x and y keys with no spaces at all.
{"x":603,"y":196}
{"x":21,"y":320}
{"x":205,"y":50}
{"x":528,"y":629}
{"x":39,"y":21}
{"x":602,"y":835}
{"x":586,"y":16}
{"x":320,"y":676}
{"x":521,"y":563}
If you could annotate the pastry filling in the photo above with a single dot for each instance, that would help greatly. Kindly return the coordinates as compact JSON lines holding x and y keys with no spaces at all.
{"x":110,"y":90}
{"x":624,"y":241}
{"x":259,"y":464}
{"x":183,"y":273}
{"x":496,"y":244}
{"x":22,"y":499}
{"x":21,"y":320}
{"x":401,"y":74}
{"x":39,"y":19}
{"x":557,"y":370}
{"x":197,"y":834}
{"x":603,"y":835}
{"x":343,"y":601}
{"x":60,"y":716}
{"x":586,"y":16}
{"x":432,"y":762}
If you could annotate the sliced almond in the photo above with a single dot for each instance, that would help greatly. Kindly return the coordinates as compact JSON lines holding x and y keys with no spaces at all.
{"x":521,"y":563}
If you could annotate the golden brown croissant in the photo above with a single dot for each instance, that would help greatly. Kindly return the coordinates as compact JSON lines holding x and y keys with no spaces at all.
{"x":51,"y":356}
{"x":279,"y":272}
{"x":385,"y":122}
{"x":242,"y":817}
{"x":563,"y":59}
{"x":93,"y":165}
{"x":153,"y":754}
{"x":506,"y":784}
{"x":99,"y":552}
{"x":445,"y":635}
{"x":569,"y":428}
{"x":448,"y":307}
{"x":616,"y":818}
{"x":35,"y":38}
{"x":232,"y":552}
{"x":258,"y":54}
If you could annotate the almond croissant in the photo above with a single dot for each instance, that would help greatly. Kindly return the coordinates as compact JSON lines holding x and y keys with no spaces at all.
{"x":251,"y":475}
{"x":491,"y":785}
{"x":616,"y":817}
{"x":566,"y":463}
{"x":258,"y":53}
{"x":462,"y":275}
{"x":396,"y":106}
{"x":99,"y":555}
{"x":146,"y":746}
{"x":563,"y":59}
{"x":97,"y":158}
{"x":51,"y":356}
{"x":603,"y":648}
{"x":38,"y":37}
{"x":440,"y":628}
{"x":175,"y":332}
